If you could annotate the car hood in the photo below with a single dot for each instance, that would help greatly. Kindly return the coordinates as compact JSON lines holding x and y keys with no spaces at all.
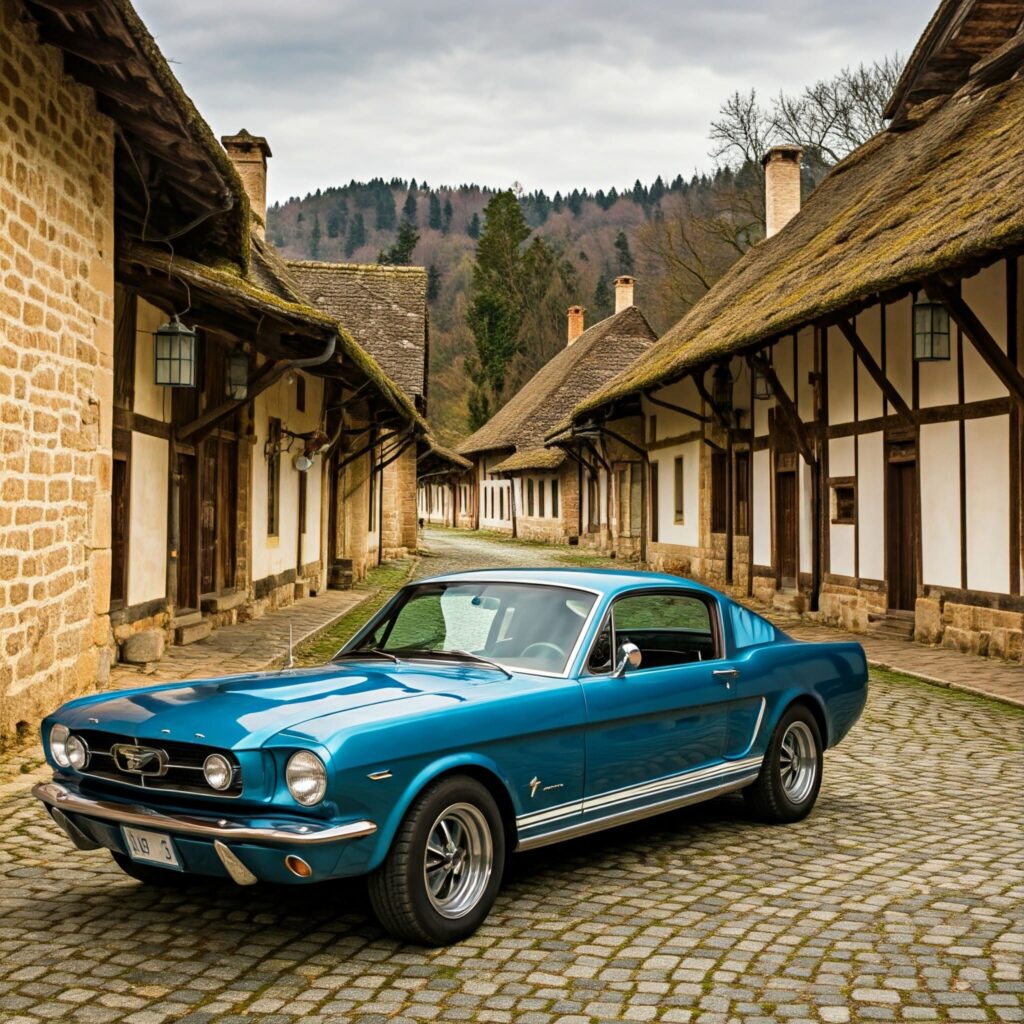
{"x":244,"y":711}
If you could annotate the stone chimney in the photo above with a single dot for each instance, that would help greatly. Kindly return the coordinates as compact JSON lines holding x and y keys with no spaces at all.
{"x":575,"y":314}
{"x":624,"y":292}
{"x":781,"y":187}
{"x":249,"y":155}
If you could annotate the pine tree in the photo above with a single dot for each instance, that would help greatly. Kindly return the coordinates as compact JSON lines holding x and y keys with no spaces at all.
{"x":433,"y":283}
{"x":356,"y":237}
{"x":446,"y":218}
{"x":575,"y":202}
{"x":556,"y":203}
{"x":473,"y":230}
{"x":399,"y":254}
{"x":657,"y":190}
{"x":314,"y":239}
{"x":409,"y":209}
{"x":603,"y":300}
{"x":639,"y":193}
{"x":623,"y":255}
{"x":385,"y":208}
{"x":434,"y":217}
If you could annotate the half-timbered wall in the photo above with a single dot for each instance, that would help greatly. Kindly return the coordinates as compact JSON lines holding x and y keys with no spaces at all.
{"x":495,"y":495}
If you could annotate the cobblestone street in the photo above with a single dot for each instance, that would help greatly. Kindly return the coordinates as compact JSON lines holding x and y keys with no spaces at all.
{"x":900,"y":898}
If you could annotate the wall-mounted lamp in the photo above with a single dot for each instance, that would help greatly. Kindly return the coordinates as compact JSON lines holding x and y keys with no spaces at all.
{"x":931,"y":331}
{"x":303,"y":463}
{"x":762,"y":386}
{"x":237,"y":377}
{"x":721,"y":387}
{"x":175,"y":355}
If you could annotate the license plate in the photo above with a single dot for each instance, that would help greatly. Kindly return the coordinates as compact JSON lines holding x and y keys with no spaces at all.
{"x":150,"y":847}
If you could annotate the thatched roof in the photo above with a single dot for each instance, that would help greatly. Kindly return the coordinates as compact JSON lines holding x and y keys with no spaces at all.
{"x":531,"y":458}
{"x":437,"y":460}
{"x":943,"y":194}
{"x":194,"y":191}
{"x":385,"y":308}
{"x":579,"y":370}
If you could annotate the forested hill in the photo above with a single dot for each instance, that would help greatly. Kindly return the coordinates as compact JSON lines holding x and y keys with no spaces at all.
{"x":596,"y":236}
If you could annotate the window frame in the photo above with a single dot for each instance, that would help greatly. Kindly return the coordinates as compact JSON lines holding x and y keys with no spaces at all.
{"x":741,"y":482}
{"x":714,"y":618}
{"x":679,"y":490}
{"x":841,"y":483}
{"x":718,"y":469}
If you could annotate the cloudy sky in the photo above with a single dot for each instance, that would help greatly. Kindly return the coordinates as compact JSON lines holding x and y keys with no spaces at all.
{"x":551,"y":93}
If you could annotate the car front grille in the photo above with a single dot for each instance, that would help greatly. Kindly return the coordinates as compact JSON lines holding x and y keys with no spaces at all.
{"x":180,"y":764}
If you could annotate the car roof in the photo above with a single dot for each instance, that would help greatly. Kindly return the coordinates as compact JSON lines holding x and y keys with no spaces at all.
{"x":605,"y":581}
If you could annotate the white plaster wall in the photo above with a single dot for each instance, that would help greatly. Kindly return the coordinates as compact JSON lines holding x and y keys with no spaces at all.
{"x":937,"y":381}
{"x":840,"y":379}
{"x":147,"y":516}
{"x":842,"y":536}
{"x":762,"y":510}
{"x":987,"y":444}
{"x":985,"y":293}
{"x":272,"y":555}
{"x":673,"y":424}
{"x":869,"y":394}
{"x":940,"y":504}
{"x":782,"y":363}
{"x":871,"y":505}
{"x":805,"y":483}
{"x":899,"y":347}
{"x":495,"y":487}
{"x":540,"y":480}
{"x":688,"y":531}
{"x":805,"y":364}
{"x":150,"y":400}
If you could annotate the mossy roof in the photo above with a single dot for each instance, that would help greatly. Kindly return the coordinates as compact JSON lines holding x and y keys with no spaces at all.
{"x":578,"y":370}
{"x":944,"y":194}
{"x":531,"y":458}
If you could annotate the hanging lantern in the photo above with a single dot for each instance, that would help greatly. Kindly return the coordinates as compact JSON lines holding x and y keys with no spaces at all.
{"x":237,"y":377}
{"x":762,"y":387}
{"x":931,"y":331}
{"x":303,"y":463}
{"x":175,"y":351}
{"x":721,"y":387}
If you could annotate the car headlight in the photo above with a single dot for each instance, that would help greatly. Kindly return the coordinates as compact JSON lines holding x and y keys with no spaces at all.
{"x":306,"y":777}
{"x":58,"y":745}
{"x":76,"y":752}
{"x":217,"y":771}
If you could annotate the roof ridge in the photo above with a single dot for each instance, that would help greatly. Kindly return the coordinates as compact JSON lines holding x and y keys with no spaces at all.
{"x":384,"y":268}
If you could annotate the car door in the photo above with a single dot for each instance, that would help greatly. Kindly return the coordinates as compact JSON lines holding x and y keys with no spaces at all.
{"x":657,"y":726}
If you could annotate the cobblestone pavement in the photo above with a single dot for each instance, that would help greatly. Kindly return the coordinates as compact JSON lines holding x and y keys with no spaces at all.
{"x":898,"y":899}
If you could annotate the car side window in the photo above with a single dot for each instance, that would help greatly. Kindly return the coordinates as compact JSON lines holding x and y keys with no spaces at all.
{"x":669,"y":629}
{"x":600,"y":660}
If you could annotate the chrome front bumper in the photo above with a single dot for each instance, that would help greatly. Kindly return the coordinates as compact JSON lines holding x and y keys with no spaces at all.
{"x":63,"y":800}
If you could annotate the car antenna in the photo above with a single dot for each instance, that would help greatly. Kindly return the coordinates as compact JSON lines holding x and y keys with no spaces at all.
{"x":291,"y":659}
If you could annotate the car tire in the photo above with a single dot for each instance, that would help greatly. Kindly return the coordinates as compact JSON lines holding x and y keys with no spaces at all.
{"x":790,"y":778}
{"x":146,"y":873}
{"x":443,"y":871}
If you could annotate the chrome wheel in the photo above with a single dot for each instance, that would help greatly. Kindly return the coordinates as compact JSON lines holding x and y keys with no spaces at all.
{"x":458,"y":860}
{"x":798,"y":762}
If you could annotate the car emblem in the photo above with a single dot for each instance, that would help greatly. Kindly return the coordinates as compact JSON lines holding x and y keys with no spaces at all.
{"x":139,"y":760}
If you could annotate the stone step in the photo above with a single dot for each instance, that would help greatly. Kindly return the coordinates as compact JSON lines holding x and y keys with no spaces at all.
{"x":213,"y":603}
{"x":183,"y":619}
{"x":891,"y":627}
{"x":190,"y":634}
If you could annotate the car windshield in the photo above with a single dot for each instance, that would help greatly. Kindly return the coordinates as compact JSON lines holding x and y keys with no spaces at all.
{"x":521,"y":625}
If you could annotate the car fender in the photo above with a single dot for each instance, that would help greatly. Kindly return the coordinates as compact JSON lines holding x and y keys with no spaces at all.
{"x":445,"y":765}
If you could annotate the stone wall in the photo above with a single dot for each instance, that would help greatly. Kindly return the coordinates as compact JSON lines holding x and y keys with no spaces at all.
{"x":400,"y":513}
{"x":972,"y":629}
{"x":56,"y":379}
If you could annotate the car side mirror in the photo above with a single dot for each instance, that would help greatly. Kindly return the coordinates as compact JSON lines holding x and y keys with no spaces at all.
{"x":629,"y":657}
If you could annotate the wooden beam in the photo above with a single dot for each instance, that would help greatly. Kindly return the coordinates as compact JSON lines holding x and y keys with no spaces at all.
{"x":682,"y":410}
{"x":862,"y":353}
{"x":260,"y":381}
{"x":988,"y":349}
{"x":133,"y":93}
{"x":698,"y":380}
{"x":96,"y":51}
{"x":786,"y":405}
{"x":67,"y":6}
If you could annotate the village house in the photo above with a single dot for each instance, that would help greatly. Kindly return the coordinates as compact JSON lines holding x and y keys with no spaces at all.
{"x":446,"y":495}
{"x":171,"y":404}
{"x":519,"y":486}
{"x":836,"y":426}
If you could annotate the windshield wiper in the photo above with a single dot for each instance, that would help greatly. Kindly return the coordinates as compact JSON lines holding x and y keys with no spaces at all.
{"x":362,"y":652}
{"x":464,"y":655}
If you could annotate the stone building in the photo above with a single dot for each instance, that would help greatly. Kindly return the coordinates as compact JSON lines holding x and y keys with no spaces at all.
{"x":520,"y":486}
{"x":133,"y":513}
{"x":837,"y":425}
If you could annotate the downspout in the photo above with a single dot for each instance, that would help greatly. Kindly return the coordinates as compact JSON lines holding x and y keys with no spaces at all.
{"x":729,"y":524}
{"x":380,"y":506}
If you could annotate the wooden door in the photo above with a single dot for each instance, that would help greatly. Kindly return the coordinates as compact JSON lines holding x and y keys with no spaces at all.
{"x":208,"y":518}
{"x":188,"y":534}
{"x":654,"y":502}
{"x":787,"y":528}
{"x":901,"y":534}
{"x":227,"y":514}
{"x":217,"y":516}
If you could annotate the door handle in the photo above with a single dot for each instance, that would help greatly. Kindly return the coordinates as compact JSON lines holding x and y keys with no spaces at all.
{"x":726,"y":675}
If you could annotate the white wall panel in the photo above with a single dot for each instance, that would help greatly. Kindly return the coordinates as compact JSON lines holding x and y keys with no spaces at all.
{"x":842,"y":536}
{"x":985,"y":293}
{"x":147,"y":515}
{"x":871,"y":505}
{"x":987,"y":444}
{"x":806,"y":484}
{"x":940,"y":504}
{"x":898,"y":348}
{"x":762,"y":511}
{"x":805,"y":364}
{"x":840,"y":377}
{"x":869,"y":394}
{"x":688,"y":531}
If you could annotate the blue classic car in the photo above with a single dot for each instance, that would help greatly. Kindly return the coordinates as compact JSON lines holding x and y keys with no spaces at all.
{"x":474,"y":715}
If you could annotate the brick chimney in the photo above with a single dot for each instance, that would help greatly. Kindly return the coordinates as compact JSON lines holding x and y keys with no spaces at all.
{"x":575,"y":314}
{"x":624,"y":292}
{"x":781,"y":187}
{"x":249,"y":155}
